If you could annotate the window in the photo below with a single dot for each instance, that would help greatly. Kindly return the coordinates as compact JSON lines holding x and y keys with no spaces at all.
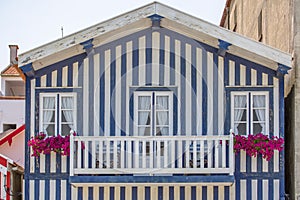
{"x":57,"y":113}
{"x":7,"y":127}
{"x":153,"y":113}
{"x":249,"y":112}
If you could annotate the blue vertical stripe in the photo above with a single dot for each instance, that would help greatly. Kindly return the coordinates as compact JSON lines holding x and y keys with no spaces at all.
{"x":135,"y":62}
{"x":259,"y":189}
{"x":122,"y":193}
{"x":182,"y":89}
{"x":80,"y":99}
{"x":47,"y":189}
{"x":249,"y":188}
{"x":216,"y":192}
{"x":281,"y":134}
{"x":204,"y":192}
{"x":194,"y":91}
{"x":70,"y":75}
{"x":112,"y":90}
{"x":58,"y":188}
{"x":49,"y":79}
{"x":258,"y":77}
{"x":91,"y":93}
{"x":69,"y":191}
{"x":59,"y":77}
{"x":149,"y":63}
{"x":248,"y":75}
{"x":237,"y":72}
{"x":160,"y":192}
{"x":134,"y":193}
{"x":215,"y":94}
{"x":80,"y":193}
{"x":171,"y":193}
{"x":101,"y":193}
{"x":172,"y":61}
{"x":147,"y":193}
{"x":111,"y":193}
{"x":36,"y":188}
{"x":227,"y":192}
{"x":238,"y":189}
{"x":162,"y":66}
{"x":102,"y":94}
{"x":193,"y":193}
{"x":204,"y":92}
{"x":182,"y":192}
{"x":123,"y":90}
{"x":90,"y":193}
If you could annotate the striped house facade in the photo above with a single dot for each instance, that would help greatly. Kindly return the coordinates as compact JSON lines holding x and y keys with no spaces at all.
{"x":105,"y":78}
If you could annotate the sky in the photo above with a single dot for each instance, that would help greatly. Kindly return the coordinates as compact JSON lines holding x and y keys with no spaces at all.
{"x":32,"y":23}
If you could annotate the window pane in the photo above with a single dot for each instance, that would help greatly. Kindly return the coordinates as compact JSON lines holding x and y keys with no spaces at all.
{"x":162,"y":131}
{"x":50,"y":130}
{"x":240,"y":101}
{"x":48,"y":116}
{"x":162,"y":118}
{"x":259,"y":114}
{"x":162,"y":103}
{"x":259,"y":101}
{"x":144,"y":102}
{"x":240,"y":114}
{"x":67,"y":102}
{"x":144,"y":131}
{"x":48,"y":102}
{"x":241,"y":128}
{"x":258,"y":128}
{"x":65,"y":129}
{"x":144,"y":118}
{"x":67,"y":116}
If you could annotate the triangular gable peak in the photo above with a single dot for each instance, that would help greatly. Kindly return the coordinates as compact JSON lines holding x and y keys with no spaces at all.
{"x":154,"y":15}
{"x":10,"y":71}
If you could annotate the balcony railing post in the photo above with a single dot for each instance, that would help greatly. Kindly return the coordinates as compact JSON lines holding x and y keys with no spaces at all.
{"x":71,"y":155}
{"x":231,"y":154}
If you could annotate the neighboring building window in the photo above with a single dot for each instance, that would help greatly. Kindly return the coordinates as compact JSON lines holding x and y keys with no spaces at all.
{"x":153,"y":113}
{"x":259,"y":28}
{"x":7,"y":127}
{"x":249,"y":112}
{"x":57,"y":113}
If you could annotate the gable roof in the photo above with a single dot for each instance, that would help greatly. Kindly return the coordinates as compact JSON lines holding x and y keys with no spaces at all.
{"x":138,"y":19}
{"x":8,"y":136}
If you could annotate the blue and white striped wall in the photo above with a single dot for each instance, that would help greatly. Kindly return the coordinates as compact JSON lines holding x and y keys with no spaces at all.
{"x":105,"y":80}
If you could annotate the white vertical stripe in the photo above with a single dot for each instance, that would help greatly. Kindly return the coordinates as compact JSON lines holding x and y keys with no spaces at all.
{"x":221,"y":102}
{"x":64,"y":164}
{"x":176,"y":192}
{"x":265,"y":165}
{"x":243,"y":161}
{"x":231,"y":73}
{"x":167,"y":61}
{"x":128,"y":192}
{"x":52,"y":189}
{"x":154,"y":192}
{"x":276,"y":189}
{"x":96,"y":94}
{"x":254,"y":189}
{"x":177,"y":80}
{"x":85,"y":97}
{"x":265,"y":189}
{"x":232,"y":191}
{"x":165,"y":192}
{"x":42,"y":189}
{"x":74,"y":192}
{"x":188,"y":90}
{"x":199,"y":90}
{"x":155,"y":58}
{"x":85,"y":192}
{"x":210,"y":110}
{"x":221,"y":193}
{"x":242,"y":75}
{"x":54,"y":78}
{"x":53,"y":162}
{"x":243,"y":193}
{"x":63,"y":193}
{"x":210,"y":192}
{"x":107,"y":94}
{"x":31,"y":190}
{"x":142,"y":61}
{"x":118,"y":91}
{"x":32,"y":122}
{"x":42,"y":163}
{"x":117,"y":193}
{"x":253,"y":164}
{"x":187,"y":193}
{"x":140,"y":192}
{"x":264,"y":79}
{"x":128,"y":81}
{"x":199,"y":192}
{"x":43,"y":80}
{"x":253,"y":77}
{"x":65,"y":76}
{"x":75,"y":74}
{"x":106,"y":192}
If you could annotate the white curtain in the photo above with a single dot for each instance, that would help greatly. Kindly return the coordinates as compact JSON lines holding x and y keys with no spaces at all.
{"x":259,"y":102}
{"x":144,"y":104}
{"x":49,"y":103}
{"x":68,"y":103}
{"x":239,"y":102}
{"x":162,"y":116}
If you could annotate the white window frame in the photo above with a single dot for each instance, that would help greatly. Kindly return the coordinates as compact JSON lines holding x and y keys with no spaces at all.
{"x":153,"y":109}
{"x":249,"y":107}
{"x":58,"y":97}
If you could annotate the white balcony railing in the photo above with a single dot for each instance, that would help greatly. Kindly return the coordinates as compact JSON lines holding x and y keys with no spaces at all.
{"x":151,"y":155}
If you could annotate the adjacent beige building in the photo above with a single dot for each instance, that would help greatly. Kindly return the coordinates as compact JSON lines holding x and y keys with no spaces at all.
{"x":276,"y":23}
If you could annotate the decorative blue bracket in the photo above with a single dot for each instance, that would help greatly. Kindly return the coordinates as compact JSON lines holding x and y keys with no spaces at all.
{"x":28,"y":70}
{"x":223,"y":47}
{"x":87,"y":45}
{"x":282,"y":70}
{"x":155,"y":21}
